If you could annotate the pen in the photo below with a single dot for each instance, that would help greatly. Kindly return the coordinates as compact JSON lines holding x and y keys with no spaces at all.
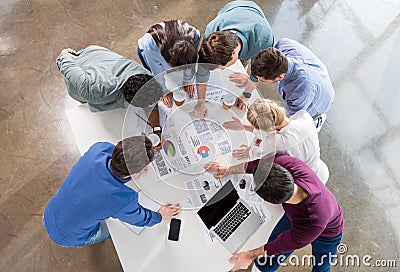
{"x":144,"y":120}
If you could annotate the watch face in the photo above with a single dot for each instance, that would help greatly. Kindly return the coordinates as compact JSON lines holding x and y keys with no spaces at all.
{"x":246,"y":94}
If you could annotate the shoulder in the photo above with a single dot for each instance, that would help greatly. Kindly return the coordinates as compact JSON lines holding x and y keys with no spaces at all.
{"x":101,"y":147}
{"x":297,"y":168}
{"x":301,"y":115}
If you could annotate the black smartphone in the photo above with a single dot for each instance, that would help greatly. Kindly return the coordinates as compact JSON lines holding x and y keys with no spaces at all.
{"x":174,"y":228}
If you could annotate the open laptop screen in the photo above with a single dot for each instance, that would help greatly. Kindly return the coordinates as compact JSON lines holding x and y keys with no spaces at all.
{"x":219,"y":205}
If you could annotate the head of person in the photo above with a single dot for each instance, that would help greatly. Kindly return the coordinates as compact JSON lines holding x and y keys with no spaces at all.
{"x":275,"y":183}
{"x":266,"y":114}
{"x":221,"y":48}
{"x":131,"y":156}
{"x":149,"y":94}
{"x":270,"y":65}
{"x":175,"y":40}
{"x":181,"y":52}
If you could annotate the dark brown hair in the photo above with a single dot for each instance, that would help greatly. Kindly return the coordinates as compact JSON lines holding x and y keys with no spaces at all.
{"x":151,"y":92}
{"x":131,"y":155}
{"x":277,"y":185}
{"x":175,"y":42}
{"x":269,"y":64}
{"x":218,"y":47}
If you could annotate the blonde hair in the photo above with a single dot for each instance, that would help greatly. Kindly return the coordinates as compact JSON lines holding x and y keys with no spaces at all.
{"x":265,"y":114}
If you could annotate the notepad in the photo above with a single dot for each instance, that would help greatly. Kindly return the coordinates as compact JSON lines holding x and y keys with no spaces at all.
{"x":146,"y":202}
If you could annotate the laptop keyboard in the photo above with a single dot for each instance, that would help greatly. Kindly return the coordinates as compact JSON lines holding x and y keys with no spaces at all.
{"x":232,"y":221}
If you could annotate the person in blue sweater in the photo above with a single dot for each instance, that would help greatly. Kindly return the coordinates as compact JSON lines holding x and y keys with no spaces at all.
{"x":240,"y":31}
{"x":301,"y":77}
{"x":95,"y":190}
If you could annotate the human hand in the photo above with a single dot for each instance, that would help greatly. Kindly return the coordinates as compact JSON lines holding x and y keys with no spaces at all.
{"x":200,"y":110}
{"x":240,"y":102}
{"x":137,"y":175}
{"x":69,"y":51}
{"x":242,"y":260}
{"x":189,"y":88}
{"x":235,"y":124}
{"x":220,"y":168}
{"x":159,"y":146}
{"x":241,"y":153}
{"x":169,"y":211}
{"x":240,"y":79}
{"x":167,"y":99}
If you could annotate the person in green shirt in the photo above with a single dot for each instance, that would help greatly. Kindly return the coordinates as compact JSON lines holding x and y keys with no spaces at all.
{"x":106,"y":80}
{"x":240,"y":31}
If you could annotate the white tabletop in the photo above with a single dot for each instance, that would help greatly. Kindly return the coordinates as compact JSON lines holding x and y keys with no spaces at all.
{"x":151,"y":251}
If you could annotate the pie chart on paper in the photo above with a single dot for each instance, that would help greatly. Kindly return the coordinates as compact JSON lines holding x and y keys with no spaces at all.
{"x":169,"y":149}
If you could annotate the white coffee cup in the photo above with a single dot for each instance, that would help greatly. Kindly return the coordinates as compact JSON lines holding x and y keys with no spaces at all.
{"x":227,"y":101}
{"x":179,"y":97}
{"x":155,"y":140}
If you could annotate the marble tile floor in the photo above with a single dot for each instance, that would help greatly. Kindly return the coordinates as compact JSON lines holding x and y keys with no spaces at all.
{"x":358,"y":40}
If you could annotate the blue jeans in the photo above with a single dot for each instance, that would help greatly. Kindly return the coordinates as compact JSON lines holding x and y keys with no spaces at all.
{"x":101,"y":235}
{"x":321,"y":247}
{"x":145,"y":65}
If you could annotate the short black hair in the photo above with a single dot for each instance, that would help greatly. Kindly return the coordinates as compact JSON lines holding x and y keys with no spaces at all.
{"x":151,"y":92}
{"x":269,"y":64}
{"x":131,"y":155}
{"x":277,"y":187}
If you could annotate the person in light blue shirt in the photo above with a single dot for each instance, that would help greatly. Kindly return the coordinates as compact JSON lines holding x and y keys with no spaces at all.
{"x":240,"y":31}
{"x":302,"y":79}
{"x":167,"y":45}
{"x":95,"y":190}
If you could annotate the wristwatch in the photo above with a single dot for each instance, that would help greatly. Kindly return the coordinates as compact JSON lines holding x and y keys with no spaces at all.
{"x":246,"y":94}
{"x":157,"y":128}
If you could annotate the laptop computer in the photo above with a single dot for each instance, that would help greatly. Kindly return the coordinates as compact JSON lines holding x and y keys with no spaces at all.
{"x":229,"y":219}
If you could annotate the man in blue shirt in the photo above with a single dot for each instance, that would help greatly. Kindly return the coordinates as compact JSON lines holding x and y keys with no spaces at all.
{"x":302,"y":79}
{"x":94,"y":191}
{"x":240,"y":31}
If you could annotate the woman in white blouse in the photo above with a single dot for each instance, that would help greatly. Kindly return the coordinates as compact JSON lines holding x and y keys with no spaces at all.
{"x":295,"y":136}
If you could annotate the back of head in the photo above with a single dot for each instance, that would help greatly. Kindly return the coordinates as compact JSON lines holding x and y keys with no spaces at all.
{"x":269,"y":64}
{"x":277,"y":186}
{"x":218,"y":47}
{"x":175,"y":42}
{"x":131,"y":155}
{"x":265,"y":114}
{"x":182,"y":52}
{"x":151,"y":92}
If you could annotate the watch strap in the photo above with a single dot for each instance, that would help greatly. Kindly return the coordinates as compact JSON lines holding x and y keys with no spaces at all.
{"x":156,"y":128}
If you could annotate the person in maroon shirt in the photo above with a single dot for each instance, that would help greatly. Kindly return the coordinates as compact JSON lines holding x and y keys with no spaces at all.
{"x":312,"y":214}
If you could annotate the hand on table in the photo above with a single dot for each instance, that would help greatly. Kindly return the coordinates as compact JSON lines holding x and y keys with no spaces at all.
{"x":241,"y":153}
{"x":137,"y":175}
{"x":189,"y":88}
{"x":169,"y":211}
{"x":220,"y":168}
{"x":242,"y":260}
{"x":240,"y":102}
{"x":159,"y":146}
{"x":167,"y":99}
{"x":240,"y":79}
{"x":69,"y":51}
{"x":200,"y":110}
{"x":235,"y":124}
